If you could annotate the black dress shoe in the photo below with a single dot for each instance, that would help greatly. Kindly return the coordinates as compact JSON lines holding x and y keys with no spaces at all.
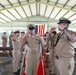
{"x":53,"y":74}
{"x":18,"y":70}
{"x":16,"y":73}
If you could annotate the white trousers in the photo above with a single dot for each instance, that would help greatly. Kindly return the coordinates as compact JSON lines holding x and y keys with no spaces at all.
{"x":65,"y":66}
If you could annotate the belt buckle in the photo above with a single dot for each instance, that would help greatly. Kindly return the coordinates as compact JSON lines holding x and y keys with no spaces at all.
{"x":34,"y":53}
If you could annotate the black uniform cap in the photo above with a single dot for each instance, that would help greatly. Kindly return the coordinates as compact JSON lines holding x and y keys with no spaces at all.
{"x":64,"y":20}
{"x":16,"y":32}
{"x":23,"y":32}
{"x":31,"y":27}
{"x":4,"y":32}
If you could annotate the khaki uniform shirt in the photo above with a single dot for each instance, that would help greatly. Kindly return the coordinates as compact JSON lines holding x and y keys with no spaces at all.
{"x":35,"y":41}
{"x":51,"y":43}
{"x":4,"y":38}
{"x":17,"y":44}
{"x":64,"y":47}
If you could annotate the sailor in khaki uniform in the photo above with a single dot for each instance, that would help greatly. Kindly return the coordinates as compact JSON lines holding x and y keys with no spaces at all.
{"x":51,"y":53}
{"x":46,"y":49}
{"x":22,"y":37}
{"x":33,"y":50}
{"x":16,"y":41}
{"x":4,"y":40}
{"x":64,"y":50}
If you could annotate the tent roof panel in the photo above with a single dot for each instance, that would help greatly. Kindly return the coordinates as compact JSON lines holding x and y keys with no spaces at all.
{"x":19,"y":9}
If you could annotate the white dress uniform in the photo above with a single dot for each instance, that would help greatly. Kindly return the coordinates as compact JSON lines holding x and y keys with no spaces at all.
{"x":33,"y":53}
{"x":16,"y":54}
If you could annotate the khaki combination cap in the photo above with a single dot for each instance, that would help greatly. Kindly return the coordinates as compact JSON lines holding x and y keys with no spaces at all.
{"x":64,"y":20}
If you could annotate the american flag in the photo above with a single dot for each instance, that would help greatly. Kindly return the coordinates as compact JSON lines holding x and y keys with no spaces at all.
{"x":41,"y":29}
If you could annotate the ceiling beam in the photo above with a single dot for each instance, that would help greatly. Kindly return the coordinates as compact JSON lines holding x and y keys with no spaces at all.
{"x":19,"y":2}
{"x":51,"y":12}
{"x":74,"y":19}
{"x":56,"y":2}
{"x":7,"y":8}
{"x":57,"y":13}
{"x":2,"y":5}
{"x":48,"y":4}
{"x":53,"y":8}
{"x":61,"y":9}
{"x":6,"y":16}
{"x":9,"y":11}
{"x":65,"y":8}
{"x":66,"y":3}
{"x":29,"y":8}
{"x":68,"y":11}
{"x":73,"y":6}
{"x":36,"y":9}
{"x":22,"y":8}
{"x":1,"y":22}
{"x":18,"y":13}
{"x":10,"y":3}
{"x":72,"y":15}
{"x":24,"y":12}
{"x":46,"y":8}
{"x":39,"y":8}
{"x":74,"y":24}
{"x":15,"y":8}
{"x":3,"y":19}
{"x":27,"y":19}
{"x":65,"y":13}
{"x":12,"y":14}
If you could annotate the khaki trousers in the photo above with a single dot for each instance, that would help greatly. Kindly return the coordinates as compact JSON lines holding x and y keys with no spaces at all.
{"x":32,"y":62}
{"x":52,"y":61}
{"x":16,"y":60}
{"x":65,"y":66}
{"x":4,"y":44}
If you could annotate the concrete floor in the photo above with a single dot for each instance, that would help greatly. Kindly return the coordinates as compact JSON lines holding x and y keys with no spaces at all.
{"x":8,"y":70}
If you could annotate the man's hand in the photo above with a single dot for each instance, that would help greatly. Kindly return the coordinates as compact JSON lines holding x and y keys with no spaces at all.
{"x":52,"y":29}
{"x":14,"y":37}
{"x":28,"y":33}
